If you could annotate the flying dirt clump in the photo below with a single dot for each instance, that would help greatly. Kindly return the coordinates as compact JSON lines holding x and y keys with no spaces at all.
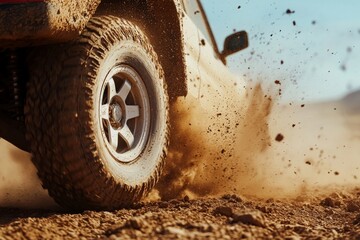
{"x":279,"y":137}
{"x":216,"y":153}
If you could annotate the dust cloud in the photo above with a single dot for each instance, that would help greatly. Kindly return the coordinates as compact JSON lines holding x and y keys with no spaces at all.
{"x":19,"y":184}
{"x":235,"y":148}
{"x":231,"y":145}
{"x":214,"y":148}
{"x":321,"y":147}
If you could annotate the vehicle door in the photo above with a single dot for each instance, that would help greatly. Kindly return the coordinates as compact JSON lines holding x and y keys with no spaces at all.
{"x":208,"y":72}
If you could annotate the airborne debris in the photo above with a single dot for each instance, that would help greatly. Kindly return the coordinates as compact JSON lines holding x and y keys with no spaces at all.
{"x":343,"y":67}
{"x":288,"y":11}
{"x":279,"y":137}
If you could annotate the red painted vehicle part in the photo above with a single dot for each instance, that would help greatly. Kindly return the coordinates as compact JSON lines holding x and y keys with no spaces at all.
{"x":18,"y":1}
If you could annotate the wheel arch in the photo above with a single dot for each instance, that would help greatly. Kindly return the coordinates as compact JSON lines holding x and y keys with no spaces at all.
{"x":161,"y":20}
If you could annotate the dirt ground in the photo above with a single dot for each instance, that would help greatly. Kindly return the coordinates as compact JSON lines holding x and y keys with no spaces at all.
{"x":336,"y":216}
{"x":295,"y":201}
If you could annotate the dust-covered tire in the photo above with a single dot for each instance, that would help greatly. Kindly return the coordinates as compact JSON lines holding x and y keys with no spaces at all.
{"x":70,"y":130}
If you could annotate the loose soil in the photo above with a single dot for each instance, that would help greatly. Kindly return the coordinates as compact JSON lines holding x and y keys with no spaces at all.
{"x":334,"y":216}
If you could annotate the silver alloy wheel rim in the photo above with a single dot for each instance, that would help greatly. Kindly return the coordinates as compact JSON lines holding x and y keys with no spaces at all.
{"x":124,"y":113}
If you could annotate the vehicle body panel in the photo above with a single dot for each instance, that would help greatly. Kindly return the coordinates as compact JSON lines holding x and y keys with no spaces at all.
{"x":207,"y":73}
{"x":35,"y":23}
{"x":54,"y":21}
{"x":189,"y":56}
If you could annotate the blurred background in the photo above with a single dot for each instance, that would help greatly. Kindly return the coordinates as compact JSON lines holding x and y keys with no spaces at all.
{"x":312,"y":47}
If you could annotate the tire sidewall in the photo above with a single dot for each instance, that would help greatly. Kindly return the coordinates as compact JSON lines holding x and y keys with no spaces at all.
{"x":143,"y":167}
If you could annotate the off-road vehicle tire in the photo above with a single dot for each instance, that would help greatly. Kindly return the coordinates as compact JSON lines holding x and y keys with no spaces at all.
{"x":96,"y":116}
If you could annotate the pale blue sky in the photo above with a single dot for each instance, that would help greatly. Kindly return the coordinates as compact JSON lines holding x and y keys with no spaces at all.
{"x":321,"y":53}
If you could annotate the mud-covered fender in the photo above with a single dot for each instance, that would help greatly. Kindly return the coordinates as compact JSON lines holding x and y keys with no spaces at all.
{"x":42,"y":22}
{"x":162,"y":22}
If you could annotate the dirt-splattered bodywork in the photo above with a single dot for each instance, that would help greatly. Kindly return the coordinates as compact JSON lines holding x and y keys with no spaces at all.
{"x":162,"y":21}
{"x":43,"y":22}
{"x":190,"y":59}
{"x":28,"y":24}
{"x":48,"y":22}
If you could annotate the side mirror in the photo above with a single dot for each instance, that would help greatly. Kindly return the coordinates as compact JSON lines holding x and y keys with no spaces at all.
{"x":235,"y":43}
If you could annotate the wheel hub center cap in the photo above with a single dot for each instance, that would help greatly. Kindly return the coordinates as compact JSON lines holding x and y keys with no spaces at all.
{"x":116,"y":115}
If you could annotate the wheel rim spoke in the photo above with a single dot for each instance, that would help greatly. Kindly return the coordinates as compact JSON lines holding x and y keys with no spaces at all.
{"x":113,"y":137}
{"x":111,"y":89}
{"x":125,"y":90}
{"x":104,"y":111}
{"x":124,"y":113}
{"x":132,"y":111}
{"x":127,"y":136}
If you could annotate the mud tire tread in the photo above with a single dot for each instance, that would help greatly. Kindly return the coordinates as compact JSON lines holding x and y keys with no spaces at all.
{"x":63,"y":148}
